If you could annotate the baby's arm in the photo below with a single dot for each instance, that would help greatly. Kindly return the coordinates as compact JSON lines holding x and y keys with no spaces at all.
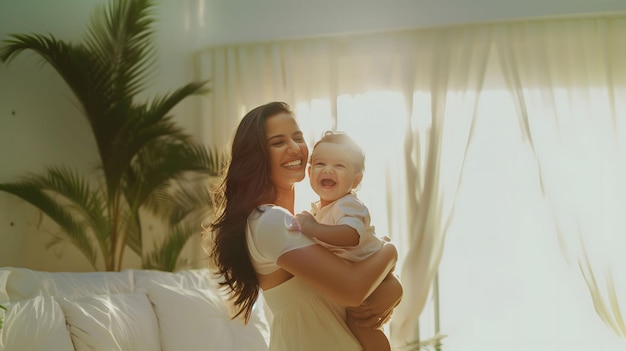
{"x":337,"y":235}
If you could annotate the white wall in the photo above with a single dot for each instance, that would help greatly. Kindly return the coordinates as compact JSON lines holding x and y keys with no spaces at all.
{"x":229,"y":21}
{"x":40,"y":125}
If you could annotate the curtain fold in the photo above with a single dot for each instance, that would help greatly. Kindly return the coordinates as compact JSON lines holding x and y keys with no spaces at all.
{"x":452,"y":65}
{"x":568,"y":80}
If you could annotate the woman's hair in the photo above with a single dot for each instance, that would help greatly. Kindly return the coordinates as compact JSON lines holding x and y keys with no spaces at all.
{"x":341,"y":138}
{"x":244,"y":186}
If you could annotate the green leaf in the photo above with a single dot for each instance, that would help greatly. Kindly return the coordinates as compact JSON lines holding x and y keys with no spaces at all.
{"x":166,"y":257}
{"x":30,"y":190}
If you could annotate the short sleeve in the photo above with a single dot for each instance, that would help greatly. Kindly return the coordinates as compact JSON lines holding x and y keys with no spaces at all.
{"x":352,"y":213}
{"x":269,"y":237}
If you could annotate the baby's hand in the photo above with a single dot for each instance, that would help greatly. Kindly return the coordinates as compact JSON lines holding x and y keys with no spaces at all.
{"x":307,"y":222}
{"x":293,"y":225}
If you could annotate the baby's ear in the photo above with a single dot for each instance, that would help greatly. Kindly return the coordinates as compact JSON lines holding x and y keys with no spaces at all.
{"x":357,"y":180}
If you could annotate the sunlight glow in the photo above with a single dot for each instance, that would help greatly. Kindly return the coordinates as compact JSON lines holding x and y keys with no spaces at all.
{"x":504,"y":283}
{"x":504,"y":280}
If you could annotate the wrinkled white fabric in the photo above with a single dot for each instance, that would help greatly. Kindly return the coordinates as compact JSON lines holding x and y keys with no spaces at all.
{"x":349,"y":210}
{"x":303,"y":319}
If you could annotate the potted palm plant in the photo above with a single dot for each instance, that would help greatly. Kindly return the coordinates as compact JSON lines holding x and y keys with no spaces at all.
{"x":147,"y":161}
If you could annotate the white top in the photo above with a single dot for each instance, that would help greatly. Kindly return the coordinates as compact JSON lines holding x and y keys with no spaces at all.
{"x":268,"y":236}
{"x":303,"y":319}
{"x":349,"y":210}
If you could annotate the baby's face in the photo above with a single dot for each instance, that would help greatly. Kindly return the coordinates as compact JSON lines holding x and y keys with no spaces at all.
{"x":332,"y":172}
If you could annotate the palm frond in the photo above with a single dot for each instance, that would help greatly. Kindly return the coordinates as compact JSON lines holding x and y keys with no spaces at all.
{"x":70,"y":61}
{"x":185,"y":204}
{"x":142,"y":124}
{"x":133,"y":236}
{"x":120,"y":37}
{"x":174,"y":190}
{"x":137,"y":128}
{"x":137,"y":125}
{"x":31,"y":191}
{"x":166,"y":257}
{"x":161,"y":106}
{"x":160,"y":163}
{"x":2,"y":309}
{"x":130,"y":230}
{"x":183,"y":200}
{"x":127,"y":132}
{"x":89,"y":203}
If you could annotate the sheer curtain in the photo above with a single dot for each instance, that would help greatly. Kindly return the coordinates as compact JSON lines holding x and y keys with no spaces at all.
{"x":401,"y":95}
{"x":568,"y":82}
{"x":449,"y":78}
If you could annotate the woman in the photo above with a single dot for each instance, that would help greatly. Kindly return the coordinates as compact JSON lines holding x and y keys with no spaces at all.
{"x":304,"y":284}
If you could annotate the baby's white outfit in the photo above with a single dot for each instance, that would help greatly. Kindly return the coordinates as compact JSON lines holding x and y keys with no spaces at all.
{"x":349,"y":210}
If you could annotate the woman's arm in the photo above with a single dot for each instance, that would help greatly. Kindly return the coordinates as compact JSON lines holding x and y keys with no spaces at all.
{"x":348,"y":283}
{"x":377,"y":308}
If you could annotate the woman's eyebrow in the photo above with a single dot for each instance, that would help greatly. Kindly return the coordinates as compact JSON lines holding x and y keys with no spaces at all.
{"x":299,"y":133}
{"x":275,"y":137}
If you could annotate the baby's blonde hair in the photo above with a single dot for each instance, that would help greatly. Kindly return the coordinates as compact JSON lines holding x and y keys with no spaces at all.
{"x":341,"y":138}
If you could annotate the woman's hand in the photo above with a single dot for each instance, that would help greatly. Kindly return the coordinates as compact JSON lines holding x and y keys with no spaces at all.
{"x":378,"y":307}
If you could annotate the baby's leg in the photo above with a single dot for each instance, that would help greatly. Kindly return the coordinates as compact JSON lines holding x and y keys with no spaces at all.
{"x":370,"y":339}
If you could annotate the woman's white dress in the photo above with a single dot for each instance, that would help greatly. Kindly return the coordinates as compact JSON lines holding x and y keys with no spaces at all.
{"x":303,"y":319}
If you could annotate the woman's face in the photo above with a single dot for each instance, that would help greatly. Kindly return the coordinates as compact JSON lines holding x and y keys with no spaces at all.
{"x":287,"y":150}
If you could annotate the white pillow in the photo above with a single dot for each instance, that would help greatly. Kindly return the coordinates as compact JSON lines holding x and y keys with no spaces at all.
{"x":194,"y":278}
{"x":112,"y":322}
{"x":198,"y":278}
{"x":24,"y":283}
{"x":197,"y":319}
{"x":4,"y":297}
{"x":35,"y":324}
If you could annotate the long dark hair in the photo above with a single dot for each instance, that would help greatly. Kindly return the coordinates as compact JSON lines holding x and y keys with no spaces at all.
{"x":245,"y":185}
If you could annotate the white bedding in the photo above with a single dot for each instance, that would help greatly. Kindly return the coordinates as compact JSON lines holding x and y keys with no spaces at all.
{"x":128,"y":310}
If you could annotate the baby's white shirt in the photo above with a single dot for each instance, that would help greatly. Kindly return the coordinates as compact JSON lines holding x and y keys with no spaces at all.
{"x":349,"y":210}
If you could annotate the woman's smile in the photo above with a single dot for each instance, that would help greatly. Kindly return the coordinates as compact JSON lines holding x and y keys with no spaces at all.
{"x":293,"y":164}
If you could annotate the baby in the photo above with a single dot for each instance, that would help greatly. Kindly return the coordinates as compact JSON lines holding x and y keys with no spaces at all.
{"x":339,"y":220}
